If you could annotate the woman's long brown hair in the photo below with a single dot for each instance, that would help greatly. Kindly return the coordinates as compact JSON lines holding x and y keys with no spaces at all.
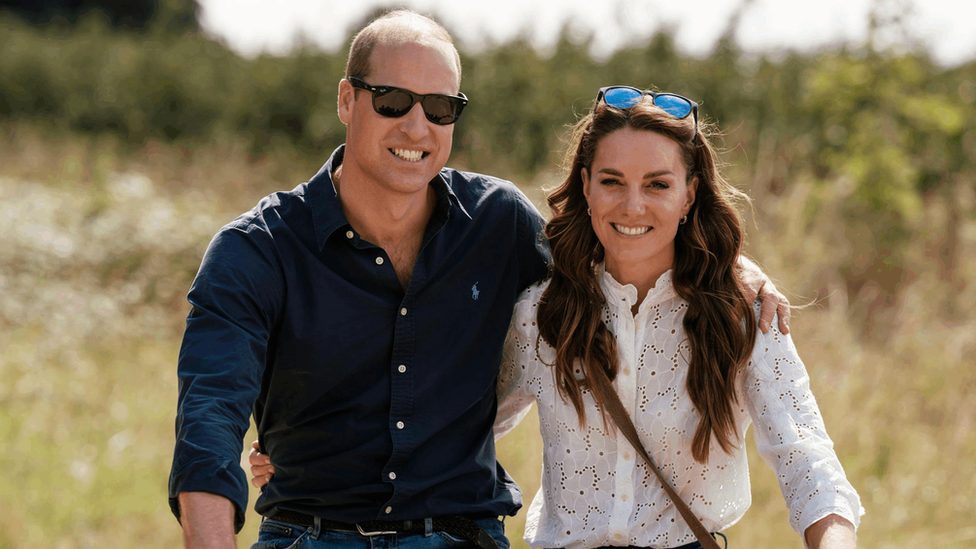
{"x":720,"y":324}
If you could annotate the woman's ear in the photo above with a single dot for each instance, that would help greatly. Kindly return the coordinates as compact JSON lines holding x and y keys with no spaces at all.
{"x":690,"y":194}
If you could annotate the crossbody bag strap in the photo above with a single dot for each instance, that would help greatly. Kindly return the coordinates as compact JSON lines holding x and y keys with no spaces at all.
{"x":626,"y":426}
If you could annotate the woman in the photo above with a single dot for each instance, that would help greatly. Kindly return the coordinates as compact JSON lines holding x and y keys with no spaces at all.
{"x":644,"y":289}
{"x":644,"y":241}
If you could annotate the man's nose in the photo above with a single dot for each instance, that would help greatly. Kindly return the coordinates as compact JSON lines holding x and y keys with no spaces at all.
{"x":415,"y":123}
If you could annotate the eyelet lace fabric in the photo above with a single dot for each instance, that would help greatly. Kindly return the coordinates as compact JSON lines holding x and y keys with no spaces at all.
{"x":596,"y":490}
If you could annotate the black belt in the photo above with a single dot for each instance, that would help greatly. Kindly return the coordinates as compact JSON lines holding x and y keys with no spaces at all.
{"x":462,"y":527}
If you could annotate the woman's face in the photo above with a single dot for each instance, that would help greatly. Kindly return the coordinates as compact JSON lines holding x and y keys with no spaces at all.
{"x":638,"y":191}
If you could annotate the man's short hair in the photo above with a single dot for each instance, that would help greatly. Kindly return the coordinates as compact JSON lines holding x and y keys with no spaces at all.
{"x":394,"y":28}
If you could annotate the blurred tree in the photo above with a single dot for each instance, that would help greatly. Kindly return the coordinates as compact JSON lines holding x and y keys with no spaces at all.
{"x":172,"y":16}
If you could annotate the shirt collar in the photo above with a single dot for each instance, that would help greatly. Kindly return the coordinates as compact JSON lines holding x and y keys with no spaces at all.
{"x":327,"y":214}
{"x":618,"y":294}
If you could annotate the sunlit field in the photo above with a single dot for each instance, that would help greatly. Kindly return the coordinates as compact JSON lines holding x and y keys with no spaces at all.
{"x":122,"y":153}
{"x":99,"y":248}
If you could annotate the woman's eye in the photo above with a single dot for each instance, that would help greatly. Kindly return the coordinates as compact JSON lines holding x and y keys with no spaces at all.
{"x":659,"y":185}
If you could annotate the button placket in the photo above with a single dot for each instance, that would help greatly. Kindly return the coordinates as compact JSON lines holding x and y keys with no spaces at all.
{"x":626,"y":387}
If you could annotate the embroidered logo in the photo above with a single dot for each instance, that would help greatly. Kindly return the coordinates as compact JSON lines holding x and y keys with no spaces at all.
{"x":474,"y":292}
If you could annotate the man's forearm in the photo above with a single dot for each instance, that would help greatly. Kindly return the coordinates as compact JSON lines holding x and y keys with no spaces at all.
{"x":208,"y":521}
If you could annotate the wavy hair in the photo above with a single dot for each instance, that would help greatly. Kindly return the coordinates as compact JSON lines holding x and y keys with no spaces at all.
{"x":720,"y":324}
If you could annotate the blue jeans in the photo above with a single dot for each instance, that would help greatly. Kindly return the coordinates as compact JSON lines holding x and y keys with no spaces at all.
{"x":282,"y":535}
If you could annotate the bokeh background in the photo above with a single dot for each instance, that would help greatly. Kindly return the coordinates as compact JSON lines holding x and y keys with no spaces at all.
{"x":129,"y":134}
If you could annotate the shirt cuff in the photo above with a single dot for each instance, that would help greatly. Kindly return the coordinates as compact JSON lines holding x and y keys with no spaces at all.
{"x":221,"y":478}
{"x":829,"y":504}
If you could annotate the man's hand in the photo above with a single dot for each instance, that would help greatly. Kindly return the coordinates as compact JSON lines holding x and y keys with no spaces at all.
{"x":208,"y":521}
{"x":261,"y":468}
{"x":773,"y":303}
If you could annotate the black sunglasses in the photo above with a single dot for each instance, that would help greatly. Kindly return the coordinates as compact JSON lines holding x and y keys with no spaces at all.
{"x":623,"y":97}
{"x":394,"y":102}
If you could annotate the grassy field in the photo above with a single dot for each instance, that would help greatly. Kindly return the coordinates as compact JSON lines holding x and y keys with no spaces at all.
{"x":101,"y":241}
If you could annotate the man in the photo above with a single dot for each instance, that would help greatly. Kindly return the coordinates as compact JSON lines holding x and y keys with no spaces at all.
{"x":362,"y":315}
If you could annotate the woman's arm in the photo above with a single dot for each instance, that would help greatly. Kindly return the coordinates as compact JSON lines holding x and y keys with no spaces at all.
{"x":514,"y":401}
{"x":831,"y":532}
{"x":261,"y":468}
{"x":791,"y":437}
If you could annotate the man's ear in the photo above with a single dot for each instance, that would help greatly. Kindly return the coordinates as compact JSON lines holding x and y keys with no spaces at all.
{"x":347,"y":97}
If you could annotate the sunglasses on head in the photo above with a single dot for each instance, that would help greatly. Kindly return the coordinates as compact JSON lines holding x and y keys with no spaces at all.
{"x":394,"y":102}
{"x":624,"y":97}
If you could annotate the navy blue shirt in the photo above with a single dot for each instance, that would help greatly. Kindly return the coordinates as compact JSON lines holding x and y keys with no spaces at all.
{"x":373,"y":403}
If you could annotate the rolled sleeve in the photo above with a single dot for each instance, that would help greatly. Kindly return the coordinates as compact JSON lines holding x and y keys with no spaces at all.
{"x":791,"y":437}
{"x":235,"y":299}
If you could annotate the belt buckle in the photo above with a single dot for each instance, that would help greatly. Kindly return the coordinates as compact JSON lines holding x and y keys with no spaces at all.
{"x":376,"y":533}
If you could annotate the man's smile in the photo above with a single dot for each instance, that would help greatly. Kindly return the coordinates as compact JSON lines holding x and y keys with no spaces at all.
{"x":409,"y":155}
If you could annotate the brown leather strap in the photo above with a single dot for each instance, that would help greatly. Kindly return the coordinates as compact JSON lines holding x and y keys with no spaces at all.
{"x":626,"y":425}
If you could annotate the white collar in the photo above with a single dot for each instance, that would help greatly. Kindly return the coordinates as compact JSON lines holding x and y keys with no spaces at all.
{"x":625,"y":295}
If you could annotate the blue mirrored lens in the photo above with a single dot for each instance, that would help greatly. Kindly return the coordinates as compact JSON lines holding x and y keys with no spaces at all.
{"x":677,"y":107}
{"x":622,"y":98}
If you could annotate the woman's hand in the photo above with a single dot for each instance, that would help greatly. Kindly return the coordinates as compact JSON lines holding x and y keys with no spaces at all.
{"x":261,"y":468}
{"x":830,"y":532}
{"x":773,"y":303}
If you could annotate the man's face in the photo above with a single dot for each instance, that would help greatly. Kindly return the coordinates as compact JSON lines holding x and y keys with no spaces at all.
{"x":399,"y":155}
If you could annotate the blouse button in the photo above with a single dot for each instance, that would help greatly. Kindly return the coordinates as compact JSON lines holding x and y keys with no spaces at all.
{"x":401,"y":368}
{"x":350,"y":234}
{"x":627,"y":456}
{"x":617,"y":536}
{"x":626,"y":371}
{"x":379,"y":260}
{"x":623,"y":497}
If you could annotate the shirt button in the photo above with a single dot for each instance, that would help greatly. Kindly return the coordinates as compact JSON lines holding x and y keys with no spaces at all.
{"x":379,"y":260}
{"x":350,"y":234}
{"x":402,"y":369}
{"x":400,"y":425}
{"x":392,"y":475}
{"x":403,"y":311}
{"x":389,"y":510}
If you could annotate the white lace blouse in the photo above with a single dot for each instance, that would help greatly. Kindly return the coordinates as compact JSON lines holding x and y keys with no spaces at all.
{"x":597,"y":491}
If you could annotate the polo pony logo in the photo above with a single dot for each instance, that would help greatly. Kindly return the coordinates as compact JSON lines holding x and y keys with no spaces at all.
{"x":474,"y":292}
